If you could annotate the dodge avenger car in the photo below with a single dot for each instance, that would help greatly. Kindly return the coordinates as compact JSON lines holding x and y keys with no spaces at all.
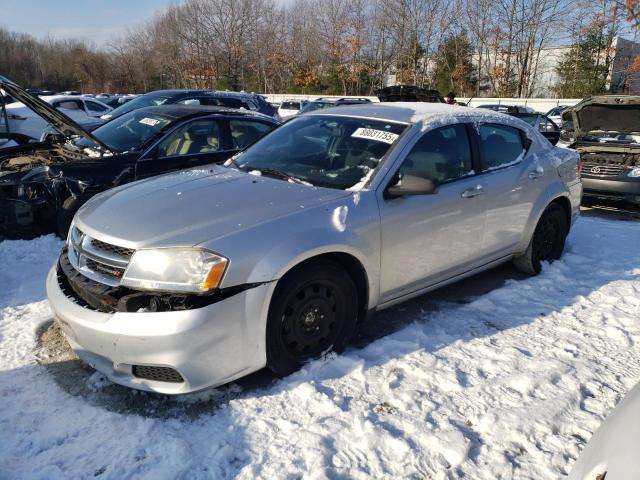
{"x":198,"y":277}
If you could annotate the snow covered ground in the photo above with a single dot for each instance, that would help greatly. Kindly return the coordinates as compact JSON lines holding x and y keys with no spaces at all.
{"x":507,"y":385}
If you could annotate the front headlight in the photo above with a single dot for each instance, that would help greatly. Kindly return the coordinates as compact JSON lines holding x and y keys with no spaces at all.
{"x":634,"y":172}
{"x":193,"y":270}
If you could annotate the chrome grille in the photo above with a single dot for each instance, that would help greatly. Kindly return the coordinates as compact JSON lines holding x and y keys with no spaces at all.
{"x":97,"y":260}
{"x":603,"y":169}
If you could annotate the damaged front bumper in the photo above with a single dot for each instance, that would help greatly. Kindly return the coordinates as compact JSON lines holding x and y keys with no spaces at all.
{"x":171,"y":352}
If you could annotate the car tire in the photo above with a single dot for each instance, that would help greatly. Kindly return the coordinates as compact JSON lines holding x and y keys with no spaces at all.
{"x":547,"y":242}
{"x":65,"y":215}
{"x":313,"y":310}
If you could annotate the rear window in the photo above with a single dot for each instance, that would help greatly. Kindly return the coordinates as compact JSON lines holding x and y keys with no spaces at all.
{"x":290,"y":106}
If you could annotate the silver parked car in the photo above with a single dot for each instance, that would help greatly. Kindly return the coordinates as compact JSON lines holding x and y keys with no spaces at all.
{"x":198,"y":277}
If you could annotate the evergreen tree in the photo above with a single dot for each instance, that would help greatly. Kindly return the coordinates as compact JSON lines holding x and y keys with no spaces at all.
{"x":453,"y":68}
{"x":584,"y":69}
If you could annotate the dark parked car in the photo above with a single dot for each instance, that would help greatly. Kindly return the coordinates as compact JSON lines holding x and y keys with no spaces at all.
{"x":605,"y":131}
{"x":43,"y":184}
{"x":541,"y":122}
{"x":502,"y":108}
{"x":247,"y":101}
{"x":409,"y":93}
{"x":320,"y":103}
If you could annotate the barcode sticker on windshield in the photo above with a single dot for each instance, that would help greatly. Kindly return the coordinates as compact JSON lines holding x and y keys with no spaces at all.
{"x":150,"y":121}
{"x":377,"y":135}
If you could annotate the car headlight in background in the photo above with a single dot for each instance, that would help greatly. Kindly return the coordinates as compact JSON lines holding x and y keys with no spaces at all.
{"x":634,"y":172}
{"x":193,"y":270}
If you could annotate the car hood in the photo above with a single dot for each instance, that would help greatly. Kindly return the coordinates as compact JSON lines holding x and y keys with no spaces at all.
{"x":193,"y":206}
{"x":57,"y":119}
{"x":609,"y":113}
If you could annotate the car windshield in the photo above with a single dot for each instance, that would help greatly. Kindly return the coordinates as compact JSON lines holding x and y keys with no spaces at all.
{"x":322,"y":150}
{"x":139,"y":102}
{"x":128,"y":132}
{"x":310,"y":107}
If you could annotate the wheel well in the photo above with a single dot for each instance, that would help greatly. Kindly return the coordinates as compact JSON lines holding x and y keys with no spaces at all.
{"x":353,"y":267}
{"x":566,"y":206}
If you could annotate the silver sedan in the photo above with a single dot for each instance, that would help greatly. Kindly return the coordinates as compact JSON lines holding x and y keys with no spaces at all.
{"x":195,"y":278}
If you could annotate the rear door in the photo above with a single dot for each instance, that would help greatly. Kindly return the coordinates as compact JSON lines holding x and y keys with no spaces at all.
{"x":512,"y":180}
{"x":426,"y":238}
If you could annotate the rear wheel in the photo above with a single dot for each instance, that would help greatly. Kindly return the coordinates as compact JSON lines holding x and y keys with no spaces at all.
{"x":313,"y":311}
{"x":547,"y":242}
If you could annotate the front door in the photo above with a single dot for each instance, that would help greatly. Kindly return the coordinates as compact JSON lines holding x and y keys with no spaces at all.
{"x":199,"y":142}
{"x":429,"y":237}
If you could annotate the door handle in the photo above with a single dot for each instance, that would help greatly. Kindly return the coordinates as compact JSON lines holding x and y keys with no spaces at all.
{"x":537,"y":173}
{"x":473,"y":192}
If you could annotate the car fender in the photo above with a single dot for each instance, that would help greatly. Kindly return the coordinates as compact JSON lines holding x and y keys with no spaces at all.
{"x":550,"y":193}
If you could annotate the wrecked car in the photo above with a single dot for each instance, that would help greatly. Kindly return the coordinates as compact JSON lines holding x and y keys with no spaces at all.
{"x":195,"y":278}
{"x":605,"y":131}
{"x":43,"y":184}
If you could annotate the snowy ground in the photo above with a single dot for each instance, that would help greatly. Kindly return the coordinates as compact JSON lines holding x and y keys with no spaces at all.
{"x":506,"y":385}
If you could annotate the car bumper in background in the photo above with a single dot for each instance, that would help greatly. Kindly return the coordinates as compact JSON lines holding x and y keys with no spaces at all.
{"x":618,"y":188}
{"x":167,"y":352}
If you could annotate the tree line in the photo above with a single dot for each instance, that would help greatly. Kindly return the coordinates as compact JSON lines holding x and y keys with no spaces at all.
{"x":341,"y":47}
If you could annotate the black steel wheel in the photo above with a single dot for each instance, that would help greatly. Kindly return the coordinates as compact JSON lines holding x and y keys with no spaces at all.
{"x":547,"y":242}
{"x":313,"y":311}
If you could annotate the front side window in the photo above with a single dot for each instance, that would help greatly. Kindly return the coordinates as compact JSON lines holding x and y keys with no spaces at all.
{"x":500,"y":146}
{"x":246,"y":132}
{"x":442,"y":155}
{"x":323,"y":150}
{"x":200,"y":136}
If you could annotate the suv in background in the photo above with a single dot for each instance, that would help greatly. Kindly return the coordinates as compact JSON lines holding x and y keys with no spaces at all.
{"x":322,"y":102}
{"x":605,"y":131}
{"x":409,"y":93}
{"x":289,"y":108}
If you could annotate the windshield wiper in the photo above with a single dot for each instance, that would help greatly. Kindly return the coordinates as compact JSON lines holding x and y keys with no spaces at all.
{"x":271,"y":172}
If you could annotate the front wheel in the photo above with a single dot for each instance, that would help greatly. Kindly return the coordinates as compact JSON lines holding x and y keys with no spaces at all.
{"x":313,"y":311}
{"x":547,"y":242}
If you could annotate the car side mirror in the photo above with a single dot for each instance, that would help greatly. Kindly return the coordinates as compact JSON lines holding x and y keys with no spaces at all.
{"x":412,"y":185}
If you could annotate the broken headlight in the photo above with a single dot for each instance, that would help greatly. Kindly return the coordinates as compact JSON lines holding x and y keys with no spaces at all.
{"x":194,"y":270}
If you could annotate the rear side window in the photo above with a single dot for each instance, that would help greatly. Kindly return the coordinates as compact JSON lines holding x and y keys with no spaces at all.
{"x":500,"y":146}
{"x":245,"y":132}
{"x":442,"y":154}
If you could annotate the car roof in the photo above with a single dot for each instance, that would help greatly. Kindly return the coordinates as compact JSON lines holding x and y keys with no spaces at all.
{"x":417,"y":112}
{"x":178,"y":110}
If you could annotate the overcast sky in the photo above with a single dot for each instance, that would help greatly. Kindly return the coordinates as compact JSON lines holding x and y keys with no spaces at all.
{"x":95,"y":20}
